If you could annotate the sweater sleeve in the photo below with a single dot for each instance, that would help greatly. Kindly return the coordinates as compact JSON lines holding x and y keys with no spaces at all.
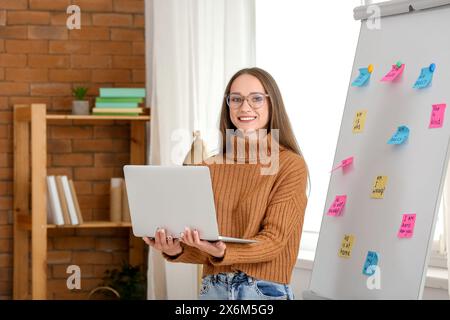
{"x":188,"y":255}
{"x":284,"y":214}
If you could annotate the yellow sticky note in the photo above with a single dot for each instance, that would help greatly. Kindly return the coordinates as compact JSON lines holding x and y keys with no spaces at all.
{"x":346,"y":247}
{"x":359,"y":121}
{"x":379,"y":187}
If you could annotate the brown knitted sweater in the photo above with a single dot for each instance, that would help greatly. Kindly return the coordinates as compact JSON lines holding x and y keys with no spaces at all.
{"x":250,"y":205}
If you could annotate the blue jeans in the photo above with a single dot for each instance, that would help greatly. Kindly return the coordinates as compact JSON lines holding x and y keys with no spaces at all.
{"x":239,"y":286}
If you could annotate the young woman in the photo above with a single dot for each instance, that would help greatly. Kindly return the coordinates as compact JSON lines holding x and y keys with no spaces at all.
{"x":268,"y":208}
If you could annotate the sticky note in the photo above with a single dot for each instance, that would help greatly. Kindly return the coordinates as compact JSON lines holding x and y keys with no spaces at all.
{"x":437,"y":115}
{"x":425,"y":78}
{"x":371,"y":261}
{"x":400,"y":136}
{"x":344,"y":164}
{"x":394,"y":73}
{"x":336,"y":207}
{"x":363,"y":78}
{"x":407,"y":226}
{"x":379,"y":187}
{"x":359,"y":121}
{"x":347,"y":162}
{"x":346,"y":246}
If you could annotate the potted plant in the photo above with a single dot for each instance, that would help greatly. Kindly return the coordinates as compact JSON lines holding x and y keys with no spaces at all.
{"x":80,"y":105}
{"x":126,"y":283}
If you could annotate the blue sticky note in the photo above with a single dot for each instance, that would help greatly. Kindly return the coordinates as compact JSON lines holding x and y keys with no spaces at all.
{"x":425,"y":78}
{"x":371,"y":262}
{"x":400,"y":136}
{"x":364,"y":76}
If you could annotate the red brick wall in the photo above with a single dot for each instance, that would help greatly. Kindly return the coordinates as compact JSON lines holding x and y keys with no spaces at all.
{"x":40,"y":62}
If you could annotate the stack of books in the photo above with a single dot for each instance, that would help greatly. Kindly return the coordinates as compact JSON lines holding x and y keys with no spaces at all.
{"x":120,"y":101}
{"x":62,"y":207}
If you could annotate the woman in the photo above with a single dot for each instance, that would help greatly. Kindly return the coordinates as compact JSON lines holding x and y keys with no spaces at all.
{"x":268,"y":208}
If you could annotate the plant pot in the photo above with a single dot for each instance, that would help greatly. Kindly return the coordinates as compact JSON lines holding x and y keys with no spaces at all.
{"x":80,"y":107}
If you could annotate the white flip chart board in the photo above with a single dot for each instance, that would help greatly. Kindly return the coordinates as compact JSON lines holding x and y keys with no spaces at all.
{"x":417,"y":34}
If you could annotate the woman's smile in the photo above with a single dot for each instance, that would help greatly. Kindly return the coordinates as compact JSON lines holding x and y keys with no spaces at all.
{"x":246,"y":119}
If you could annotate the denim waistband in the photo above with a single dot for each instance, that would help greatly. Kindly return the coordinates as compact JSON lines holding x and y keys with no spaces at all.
{"x":232,"y":277}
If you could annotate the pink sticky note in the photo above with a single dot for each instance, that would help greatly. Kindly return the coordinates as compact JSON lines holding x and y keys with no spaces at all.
{"x":337,"y":206}
{"x":394,"y":73}
{"x":437,"y":115}
{"x":344,"y":163}
{"x":407,"y":227}
{"x":347,"y":162}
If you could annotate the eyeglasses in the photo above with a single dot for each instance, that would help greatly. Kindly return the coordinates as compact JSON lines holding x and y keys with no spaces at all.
{"x":255,"y":100}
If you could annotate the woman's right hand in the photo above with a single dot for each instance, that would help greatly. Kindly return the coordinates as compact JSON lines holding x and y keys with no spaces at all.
{"x":164,"y":243}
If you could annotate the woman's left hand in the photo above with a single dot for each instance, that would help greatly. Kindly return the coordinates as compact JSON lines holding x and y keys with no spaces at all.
{"x":191,"y":238}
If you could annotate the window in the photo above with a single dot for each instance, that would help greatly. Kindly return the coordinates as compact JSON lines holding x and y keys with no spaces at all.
{"x":303,"y":45}
{"x":438,"y":257}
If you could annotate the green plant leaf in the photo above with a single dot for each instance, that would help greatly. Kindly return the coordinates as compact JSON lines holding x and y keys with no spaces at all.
{"x":80,"y":92}
{"x":129,"y":281}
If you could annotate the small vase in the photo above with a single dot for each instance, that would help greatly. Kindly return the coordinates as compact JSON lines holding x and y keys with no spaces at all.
{"x":80,"y":107}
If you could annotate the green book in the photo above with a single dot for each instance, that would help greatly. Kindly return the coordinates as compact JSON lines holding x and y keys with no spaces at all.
{"x":115,"y":114}
{"x":116,"y":100}
{"x":116,"y":105}
{"x":122,"y":92}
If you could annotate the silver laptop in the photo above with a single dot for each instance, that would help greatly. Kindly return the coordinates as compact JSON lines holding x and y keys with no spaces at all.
{"x":172,"y":197}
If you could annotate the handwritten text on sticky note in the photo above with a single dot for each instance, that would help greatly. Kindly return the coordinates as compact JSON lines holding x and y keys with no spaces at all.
{"x":437,"y":115}
{"x":407,"y":226}
{"x":379,"y":187}
{"x":400,"y":136}
{"x":359,"y":121}
{"x":362,"y":79}
{"x":394,"y":73}
{"x":371,"y":262}
{"x":336,"y":207}
{"x":425,"y":78}
{"x":346,"y":246}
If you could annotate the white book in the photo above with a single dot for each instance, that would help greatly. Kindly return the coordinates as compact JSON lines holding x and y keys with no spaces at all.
{"x":70,"y":202}
{"x":54,"y":203}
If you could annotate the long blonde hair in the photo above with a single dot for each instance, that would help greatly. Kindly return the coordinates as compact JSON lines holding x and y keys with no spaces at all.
{"x":278,"y":118}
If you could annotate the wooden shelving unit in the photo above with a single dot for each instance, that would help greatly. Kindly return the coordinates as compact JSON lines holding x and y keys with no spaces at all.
{"x":79,"y":117}
{"x":30,"y":195}
{"x":94,"y":224}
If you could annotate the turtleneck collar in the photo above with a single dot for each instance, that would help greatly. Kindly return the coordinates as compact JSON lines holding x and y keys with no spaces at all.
{"x":252,"y":147}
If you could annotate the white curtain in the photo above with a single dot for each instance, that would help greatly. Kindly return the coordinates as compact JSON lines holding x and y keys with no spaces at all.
{"x":193,"y":48}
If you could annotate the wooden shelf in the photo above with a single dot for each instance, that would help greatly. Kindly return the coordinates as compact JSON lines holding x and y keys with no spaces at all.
{"x":95,"y":117}
{"x":30,"y":200}
{"x":93,"y":224}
